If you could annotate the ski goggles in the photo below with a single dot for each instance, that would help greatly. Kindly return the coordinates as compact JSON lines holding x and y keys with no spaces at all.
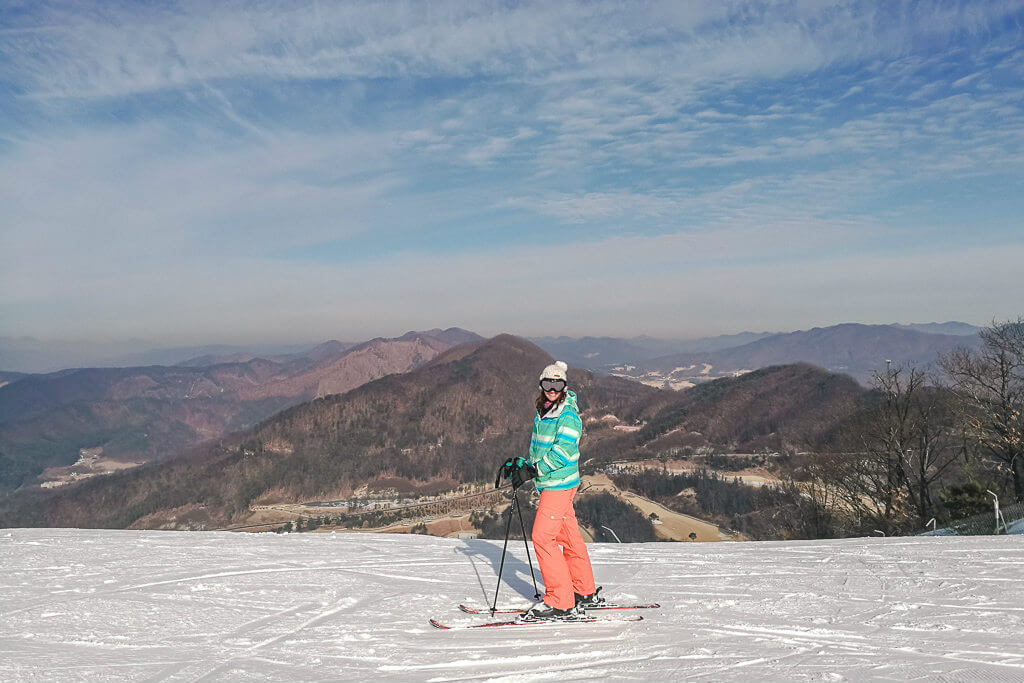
{"x":552,"y":384}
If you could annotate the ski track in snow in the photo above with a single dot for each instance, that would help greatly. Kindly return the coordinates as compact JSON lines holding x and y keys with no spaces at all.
{"x":90,"y":605}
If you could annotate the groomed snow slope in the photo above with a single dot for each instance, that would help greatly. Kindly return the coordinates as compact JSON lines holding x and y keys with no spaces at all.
{"x":176,"y":606}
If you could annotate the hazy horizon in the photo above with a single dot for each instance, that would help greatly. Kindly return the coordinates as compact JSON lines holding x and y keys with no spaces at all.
{"x":27,"y":354}
{"x":297,"y":340}
{"x":210,"y":173}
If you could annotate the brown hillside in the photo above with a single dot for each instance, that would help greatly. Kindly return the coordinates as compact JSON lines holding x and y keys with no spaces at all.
{"x":454,"y":419}
{"x":777,"y":408}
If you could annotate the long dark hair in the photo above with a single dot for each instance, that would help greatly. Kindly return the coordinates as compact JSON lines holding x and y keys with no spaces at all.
{"x":542,"y":400}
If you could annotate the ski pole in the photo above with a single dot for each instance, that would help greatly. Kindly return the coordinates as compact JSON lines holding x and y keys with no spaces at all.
{"x":501,"y":568}
{"x":519,"y":509}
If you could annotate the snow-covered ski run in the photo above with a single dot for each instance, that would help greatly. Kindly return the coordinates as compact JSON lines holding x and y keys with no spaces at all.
{"x":608,"y":606}
{"x":170,"y":607}
{"x":588,"y":619}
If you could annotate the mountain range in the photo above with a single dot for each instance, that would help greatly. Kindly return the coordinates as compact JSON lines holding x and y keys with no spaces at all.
{"x":30,"y":355}
{"x":27,"y":355}
{"x":449,"y":422}
{"x":653,"y":360}
{"x":853,"y":349}
{"x":952,"y":327}
{"x":599,"y":353}
{"x":151,"y":413}
{"x":117,"y":417}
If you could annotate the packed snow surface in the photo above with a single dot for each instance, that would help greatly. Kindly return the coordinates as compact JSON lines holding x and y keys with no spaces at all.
{"x":176,"y":606}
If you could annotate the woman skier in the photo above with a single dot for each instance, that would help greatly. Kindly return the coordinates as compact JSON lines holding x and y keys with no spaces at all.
{"x":553,"y":462}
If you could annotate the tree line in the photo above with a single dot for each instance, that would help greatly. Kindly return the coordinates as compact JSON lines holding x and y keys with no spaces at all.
{"x":594,"y":511}
{"x":758,"y":512}
{"x":936,"y":446}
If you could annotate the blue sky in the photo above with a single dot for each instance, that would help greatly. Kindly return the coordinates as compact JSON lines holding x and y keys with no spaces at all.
{"x":276,"y":172}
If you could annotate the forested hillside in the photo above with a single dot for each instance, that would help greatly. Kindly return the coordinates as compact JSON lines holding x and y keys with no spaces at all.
{"x":778,"y":408}
{"x":449,"y":422}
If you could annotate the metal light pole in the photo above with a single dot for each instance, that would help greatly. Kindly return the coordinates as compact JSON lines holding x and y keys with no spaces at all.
{"x":612,"y":533}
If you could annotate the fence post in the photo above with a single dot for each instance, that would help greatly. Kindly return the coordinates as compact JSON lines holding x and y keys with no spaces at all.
{"x":982,"y":524}
{"x":995,"y":502}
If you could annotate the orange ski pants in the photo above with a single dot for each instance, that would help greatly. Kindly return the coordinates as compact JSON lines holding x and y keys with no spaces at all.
{"x":567,"y":570}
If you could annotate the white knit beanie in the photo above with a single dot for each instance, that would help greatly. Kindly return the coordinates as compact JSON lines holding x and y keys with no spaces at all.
{"x":556,"y":371}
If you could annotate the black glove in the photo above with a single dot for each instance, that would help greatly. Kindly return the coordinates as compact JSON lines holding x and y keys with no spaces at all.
{"x":505,"y":471}
{"x":522,"y":474}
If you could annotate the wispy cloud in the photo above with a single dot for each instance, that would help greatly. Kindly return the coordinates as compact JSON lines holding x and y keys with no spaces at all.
{"x":108,"y":49}
{"x":273,"y":158}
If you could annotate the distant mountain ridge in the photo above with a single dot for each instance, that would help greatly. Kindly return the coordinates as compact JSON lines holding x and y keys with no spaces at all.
{"x":27,"y":355}
{"x":8,"y":377}
{"x":604,"y":353}
{"x":598,"y":353}
{"x":951,"y":327}
{"x":32,"y":356}
{"x":850,"y":348}
{"x":156,"y":412}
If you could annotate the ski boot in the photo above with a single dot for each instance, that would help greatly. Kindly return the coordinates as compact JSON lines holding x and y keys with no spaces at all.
{"x":544,"y":612}
{"x":592,"y":600}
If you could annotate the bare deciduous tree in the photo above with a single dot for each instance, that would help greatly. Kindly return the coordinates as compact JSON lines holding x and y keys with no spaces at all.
{"x":989,"y":385}
{"x":896,"y":457}
{"x":853,"y":488}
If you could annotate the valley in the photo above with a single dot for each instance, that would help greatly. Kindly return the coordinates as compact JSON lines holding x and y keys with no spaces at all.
{"x":676,"y":379}
{"x":90,"y":463}
{"x":752,"y":476}
{"x":450,"y":515}
{"x":672,"y":525}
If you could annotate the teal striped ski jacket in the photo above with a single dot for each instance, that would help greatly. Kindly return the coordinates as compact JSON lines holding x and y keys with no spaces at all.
{"x":554,"y":447}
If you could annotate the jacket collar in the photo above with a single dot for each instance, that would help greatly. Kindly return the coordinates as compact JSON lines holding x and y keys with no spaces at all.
{"x":556,"y":410}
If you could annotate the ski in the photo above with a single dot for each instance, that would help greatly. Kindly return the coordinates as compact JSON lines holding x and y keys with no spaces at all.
{"x":538,"y":622}
{"x":522,"y":610}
